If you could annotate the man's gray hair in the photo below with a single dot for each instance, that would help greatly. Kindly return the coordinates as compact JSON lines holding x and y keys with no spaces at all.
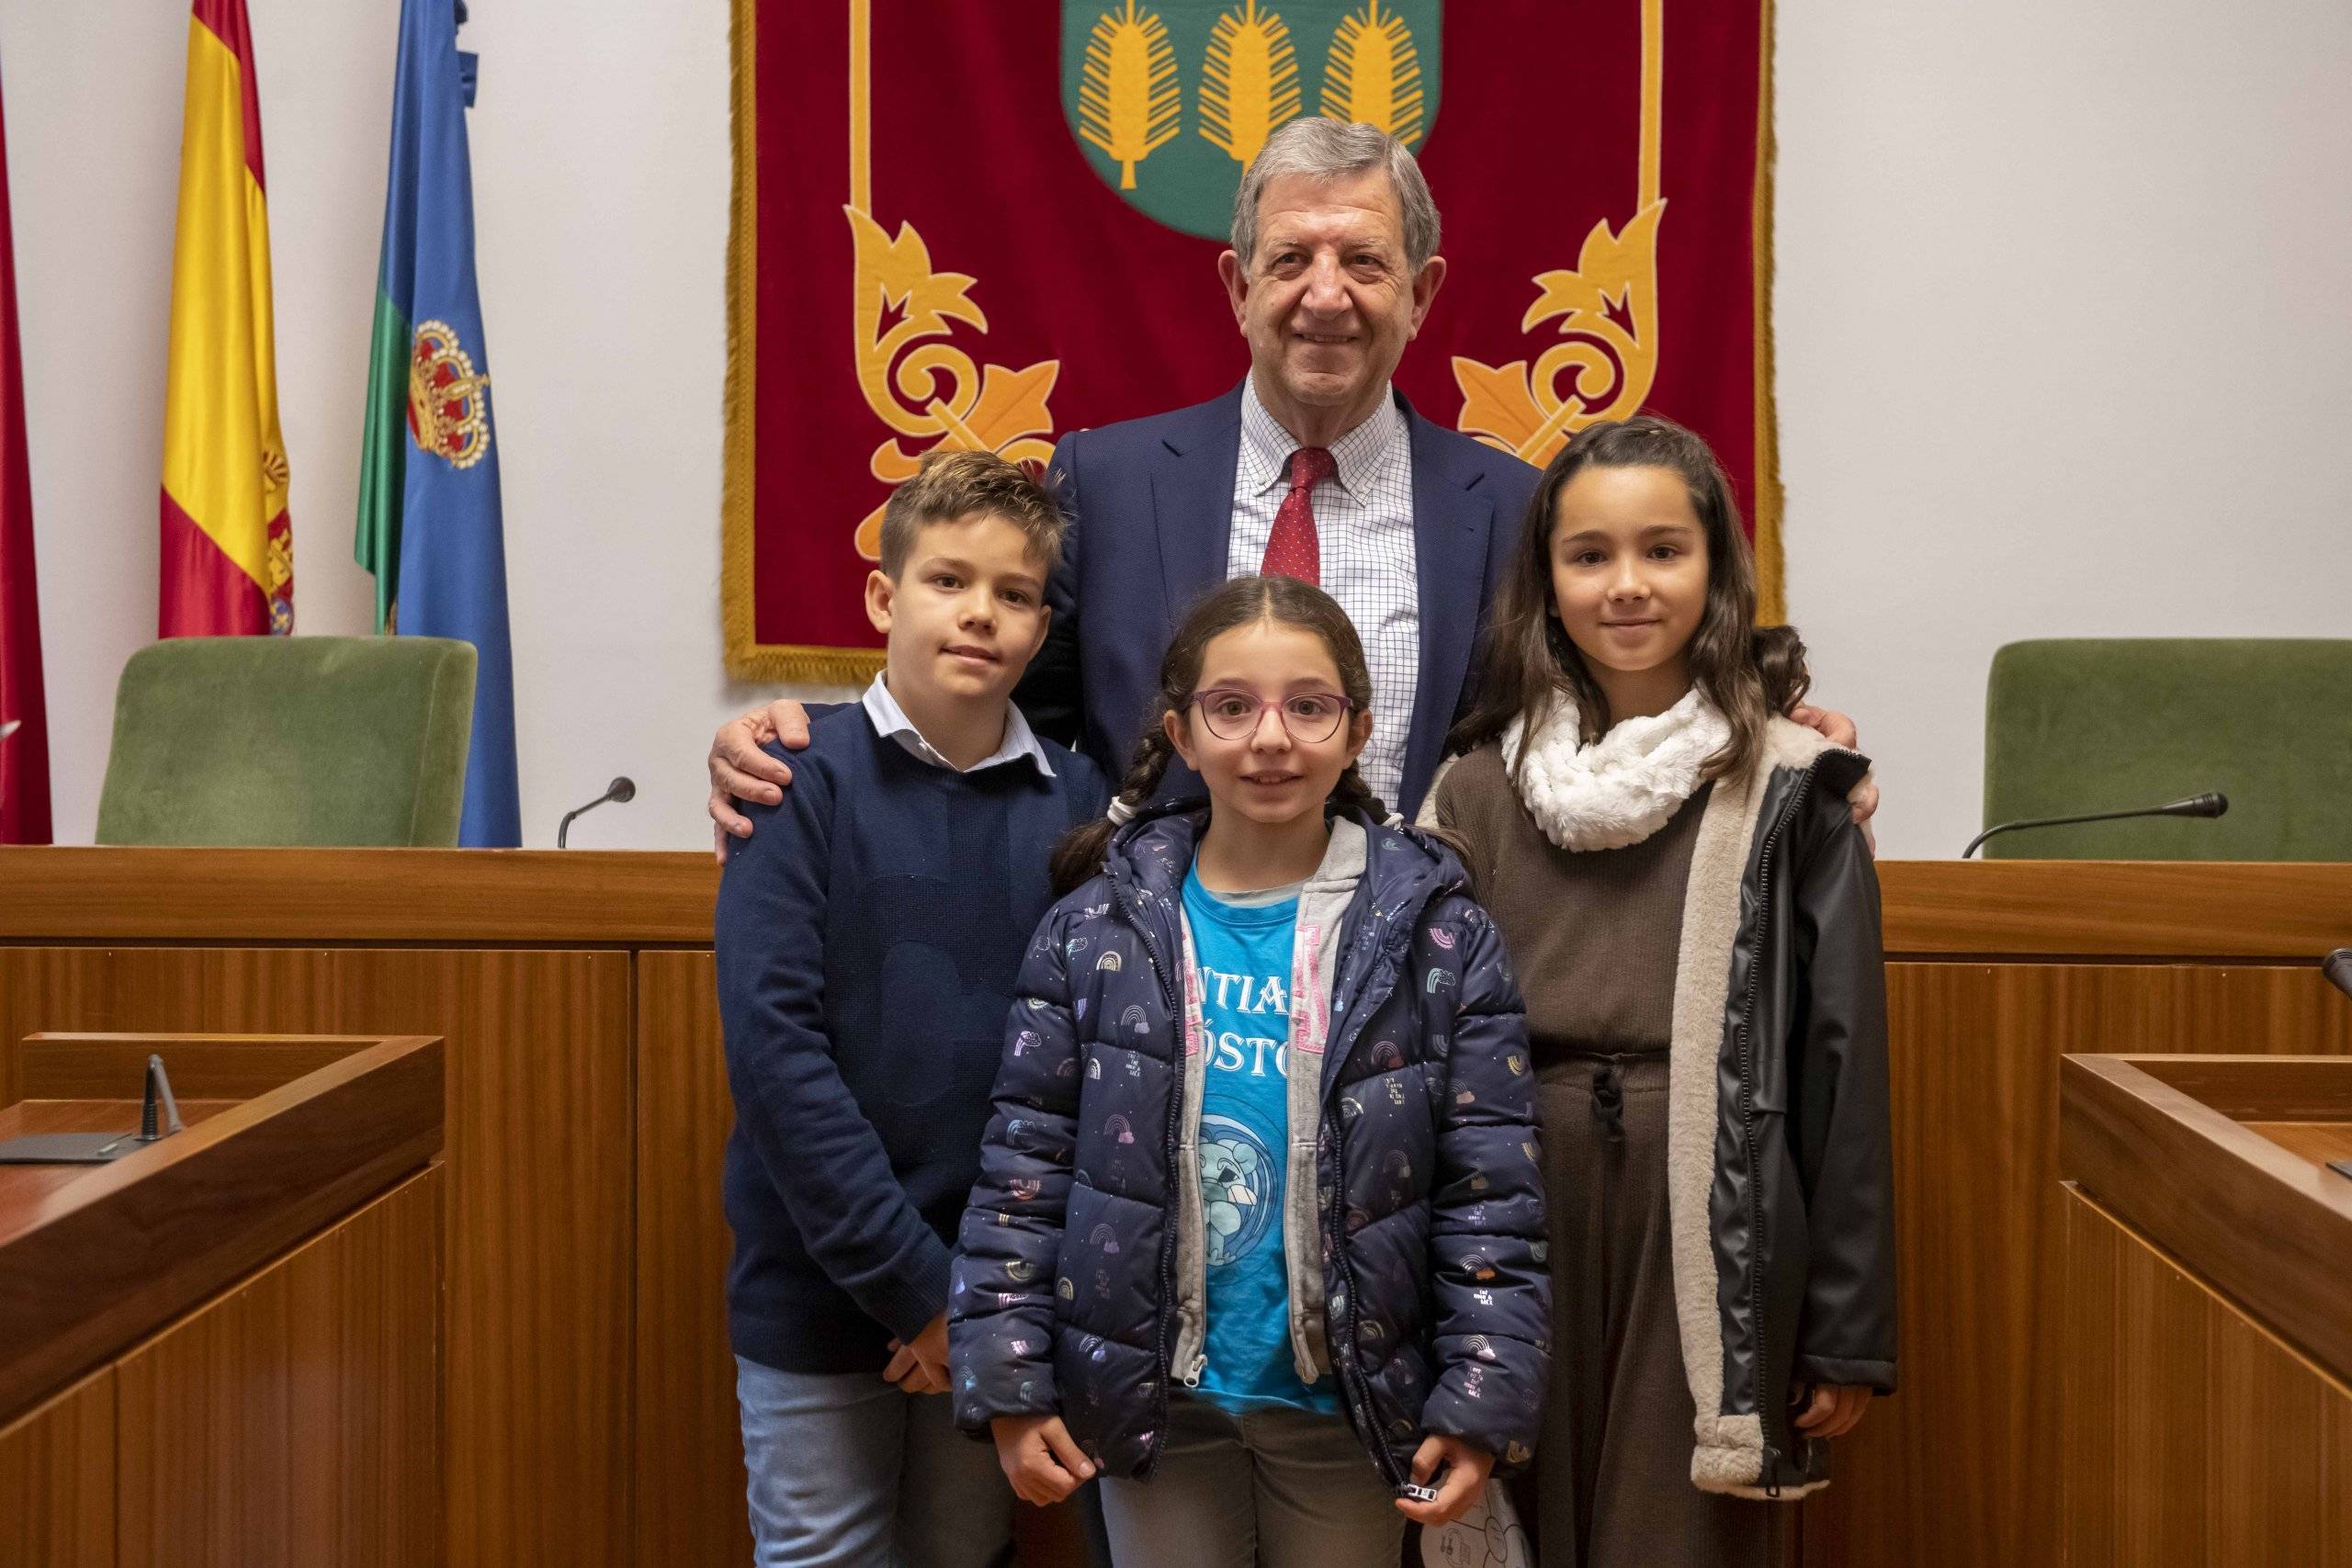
{"x":1325,"y":149}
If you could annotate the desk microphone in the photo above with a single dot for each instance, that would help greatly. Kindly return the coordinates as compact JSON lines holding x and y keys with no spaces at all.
{"x":621,"y":789}
{"x":2195,"y":806}
{"x":2338,"y":967}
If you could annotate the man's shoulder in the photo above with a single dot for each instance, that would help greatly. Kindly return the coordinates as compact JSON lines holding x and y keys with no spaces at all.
{"x":1180,"y":428}
{"x":1469,"y":460}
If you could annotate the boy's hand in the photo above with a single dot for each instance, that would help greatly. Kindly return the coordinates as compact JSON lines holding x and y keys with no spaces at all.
{"x":740,"y":770}
{"x":1040,"y":1458}
{"x":919,"y":1366}
{"x":1465,"y":1465}
{"x":1828,"y":1410}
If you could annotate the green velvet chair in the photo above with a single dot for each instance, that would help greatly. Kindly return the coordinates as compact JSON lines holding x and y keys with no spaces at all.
{"x":327,"y":741}
{"x":2083,"y":725}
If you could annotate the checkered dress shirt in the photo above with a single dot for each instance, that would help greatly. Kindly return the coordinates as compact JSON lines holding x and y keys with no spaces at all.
{"x":1363,"y":524}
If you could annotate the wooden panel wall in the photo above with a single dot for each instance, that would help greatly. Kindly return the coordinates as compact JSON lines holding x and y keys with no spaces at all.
{"x":689,"y":1473}
{"x":591,"y":1416}
{"x":57,"y":1480}
{"x":690,"y":1511}
{"x":2192,"y":1438}
{"x":292,"y":1423}
{"x":1962,"y":1467}
{"x":538,"y":1200}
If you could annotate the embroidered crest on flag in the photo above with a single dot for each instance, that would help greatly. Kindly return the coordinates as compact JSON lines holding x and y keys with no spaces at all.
{"x":448,"y":404}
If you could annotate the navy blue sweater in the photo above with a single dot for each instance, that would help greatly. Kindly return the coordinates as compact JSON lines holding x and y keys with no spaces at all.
{"x":869,"y":935}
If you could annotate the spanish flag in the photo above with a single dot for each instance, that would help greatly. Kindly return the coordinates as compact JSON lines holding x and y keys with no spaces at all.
{"x":228,"y":560}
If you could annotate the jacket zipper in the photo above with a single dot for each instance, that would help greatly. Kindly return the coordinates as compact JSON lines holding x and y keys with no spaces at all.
{"x":1133,"y":899}
{"x":1766,"y":1410}
{"x":1343,"y":1358}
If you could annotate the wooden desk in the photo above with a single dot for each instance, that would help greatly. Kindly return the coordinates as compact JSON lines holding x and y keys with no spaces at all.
{"x":224,"y":1346}
{"x":592,"y":1415}
{"x":2209,"y":1351}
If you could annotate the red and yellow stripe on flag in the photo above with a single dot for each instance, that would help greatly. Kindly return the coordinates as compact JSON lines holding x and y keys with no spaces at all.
{"x":227,"y":551}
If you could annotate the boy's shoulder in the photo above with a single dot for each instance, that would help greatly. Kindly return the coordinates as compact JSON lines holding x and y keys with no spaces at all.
{"x":844,"y":743}
{"x":1077,"y":776}
{"x":841,"y":740}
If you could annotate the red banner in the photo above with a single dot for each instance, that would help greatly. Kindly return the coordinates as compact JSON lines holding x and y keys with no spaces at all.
{"x":984,"y":225}
{"x":24,"y":720}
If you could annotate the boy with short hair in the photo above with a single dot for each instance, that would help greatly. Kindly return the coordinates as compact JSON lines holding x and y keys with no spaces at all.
{"x":869,"y":938}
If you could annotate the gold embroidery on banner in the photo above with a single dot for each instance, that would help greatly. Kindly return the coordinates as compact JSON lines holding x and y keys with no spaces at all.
{"x":1128,"y":101}
{"x":932,"y":394}
{"x":1248,"y":83}
{"x":1607,"y":312}
{"x":1374,"y":73}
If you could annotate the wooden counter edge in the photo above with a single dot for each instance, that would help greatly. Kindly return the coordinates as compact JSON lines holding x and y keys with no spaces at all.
{"x":2267,"y":1228}
{"x":158,"y":1233}
{"x":523,"y":897}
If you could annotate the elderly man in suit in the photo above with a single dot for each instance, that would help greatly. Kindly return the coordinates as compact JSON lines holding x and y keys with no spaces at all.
{"x":1314,"y":465}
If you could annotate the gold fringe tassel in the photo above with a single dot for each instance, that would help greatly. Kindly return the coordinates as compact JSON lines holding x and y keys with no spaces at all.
{"x":1772,"y":590}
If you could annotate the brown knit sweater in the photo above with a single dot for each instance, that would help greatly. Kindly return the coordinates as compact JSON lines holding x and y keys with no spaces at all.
{"x":1592,"y":934}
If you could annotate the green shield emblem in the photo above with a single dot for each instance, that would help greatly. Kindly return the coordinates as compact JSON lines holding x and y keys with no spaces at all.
{"x":1169,"y":99}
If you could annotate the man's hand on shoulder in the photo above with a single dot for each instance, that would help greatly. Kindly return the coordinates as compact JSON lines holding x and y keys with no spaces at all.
{"x":740,"y":770}
{"x":1838,"y":730}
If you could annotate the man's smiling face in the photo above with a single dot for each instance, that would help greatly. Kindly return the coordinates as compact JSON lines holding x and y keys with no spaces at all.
{"x":1329,"y":299}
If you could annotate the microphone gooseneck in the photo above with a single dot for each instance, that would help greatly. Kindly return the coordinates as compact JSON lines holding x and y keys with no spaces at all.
{"x":2212,"y":804}
{"x":622,"y":789}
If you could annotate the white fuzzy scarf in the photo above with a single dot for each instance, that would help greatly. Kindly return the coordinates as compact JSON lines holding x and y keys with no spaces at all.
{"x":1622,"y":787}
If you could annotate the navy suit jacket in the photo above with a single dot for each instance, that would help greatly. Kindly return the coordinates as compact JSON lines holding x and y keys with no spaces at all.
{"x":1150,"y":502}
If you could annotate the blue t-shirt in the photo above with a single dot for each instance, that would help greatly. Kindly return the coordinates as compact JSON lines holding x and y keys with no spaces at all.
{"x":1244,"y":953}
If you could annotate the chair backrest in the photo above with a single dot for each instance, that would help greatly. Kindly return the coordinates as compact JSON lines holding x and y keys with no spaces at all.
{"x":290,"y":740}
{"x":2080,"y":725}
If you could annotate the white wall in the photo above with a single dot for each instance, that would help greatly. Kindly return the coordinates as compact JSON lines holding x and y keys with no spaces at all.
{"x":2065,"y":349}
{"x":601,"y":150}
{"x":2065,"y":346}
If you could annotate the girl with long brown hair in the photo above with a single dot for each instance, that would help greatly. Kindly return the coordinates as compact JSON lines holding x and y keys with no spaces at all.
{"x":1693,"y":917}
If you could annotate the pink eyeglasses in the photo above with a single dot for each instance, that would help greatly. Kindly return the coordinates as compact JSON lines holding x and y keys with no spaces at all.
{"x":1232,"y":713}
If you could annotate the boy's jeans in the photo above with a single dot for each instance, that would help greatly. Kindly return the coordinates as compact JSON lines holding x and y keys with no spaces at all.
{"x":847,"y":1471}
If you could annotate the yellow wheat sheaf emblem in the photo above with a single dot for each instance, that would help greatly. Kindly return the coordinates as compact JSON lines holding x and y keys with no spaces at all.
{"x":1169,"y":105}
{"x":1128,"y":101}
{"x":1374,"y":73}
{"x":1248,"y":82}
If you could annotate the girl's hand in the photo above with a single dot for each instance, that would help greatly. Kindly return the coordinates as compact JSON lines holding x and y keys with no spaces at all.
{"x":1830,"y":1410}
{"x":1465,"y":1465}
{"x":1040,"y":1458}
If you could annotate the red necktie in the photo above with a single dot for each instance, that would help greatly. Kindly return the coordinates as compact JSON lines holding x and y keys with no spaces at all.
{"x":1292,"y":549}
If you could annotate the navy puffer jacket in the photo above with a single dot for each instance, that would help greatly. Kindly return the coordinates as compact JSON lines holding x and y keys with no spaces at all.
{"x":1416,"y":1254}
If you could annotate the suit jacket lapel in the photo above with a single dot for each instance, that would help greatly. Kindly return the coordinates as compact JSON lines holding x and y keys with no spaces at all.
{"x":1192,"y":500}
{"x":1453,"y":518}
